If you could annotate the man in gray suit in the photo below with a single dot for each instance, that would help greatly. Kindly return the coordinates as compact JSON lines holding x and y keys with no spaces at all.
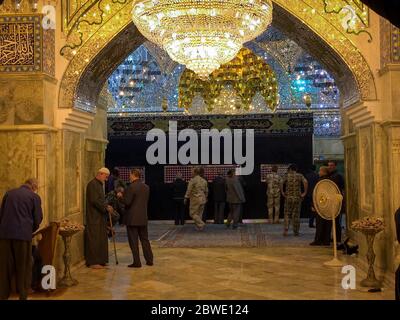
{"x":136,"y":198}
{"x":235,"y":198}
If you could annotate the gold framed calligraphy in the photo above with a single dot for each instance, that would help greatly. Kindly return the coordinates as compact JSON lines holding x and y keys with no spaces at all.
{"x":21,"y":43}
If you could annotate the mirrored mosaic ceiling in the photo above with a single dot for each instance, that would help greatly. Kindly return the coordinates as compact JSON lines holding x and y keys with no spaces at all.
{"x":147,"y":82}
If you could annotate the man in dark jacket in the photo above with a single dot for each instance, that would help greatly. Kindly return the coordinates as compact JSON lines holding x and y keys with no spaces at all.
{"x":136,"y":198}
{"x":20,"y":216}
{"x":312,"y":179}
{"x":337,"y":178}
{"x":235,"y":198}
{"x":323,"y":227}
{"x":219,"y":196}
{"x":96,"y":238}
{"x":114,"y":181}
{"x":178,"y":195}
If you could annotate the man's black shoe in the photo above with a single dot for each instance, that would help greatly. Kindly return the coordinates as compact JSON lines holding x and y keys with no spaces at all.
{"x":149,"y":263}
{"x":135,"y":266}
{"x":340,"y":246}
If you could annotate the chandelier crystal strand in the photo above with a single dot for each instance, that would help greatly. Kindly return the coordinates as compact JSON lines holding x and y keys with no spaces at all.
{"x":201,"y":34}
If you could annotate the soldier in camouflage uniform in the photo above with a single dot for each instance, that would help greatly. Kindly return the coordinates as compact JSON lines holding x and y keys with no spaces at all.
{"x":273,"y":195}
{"x":197,"y":192}
{"x":293,"y":198}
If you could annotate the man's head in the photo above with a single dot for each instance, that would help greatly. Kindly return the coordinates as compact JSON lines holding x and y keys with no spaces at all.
{"x":292,"y":168}
{"x":115,"y":173}
{"x":179,"y":175}
{"x":231,"y":173}
{"x":33,"y":184}
{"x":274,"y":168}
{"x":103,"y":174}
{"x":198,"y":171}
{"x":134,"y":175}
{"x":323,"y":171}
{"x":119,"y":189}
{"x":332,"y":166}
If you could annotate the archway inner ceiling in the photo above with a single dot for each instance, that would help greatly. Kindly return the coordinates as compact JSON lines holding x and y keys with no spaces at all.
{"x":147,"y":81}
{"x":353,"y":77}
{"x":148,"y":76}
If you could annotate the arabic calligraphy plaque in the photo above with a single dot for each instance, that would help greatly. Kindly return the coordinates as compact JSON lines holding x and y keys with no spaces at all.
{"x":20,"y":43}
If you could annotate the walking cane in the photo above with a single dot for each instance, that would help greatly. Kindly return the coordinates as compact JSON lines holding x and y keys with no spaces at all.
{"x":113,"y":237}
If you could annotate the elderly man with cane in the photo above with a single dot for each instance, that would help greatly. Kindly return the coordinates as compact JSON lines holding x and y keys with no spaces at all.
{"x":97,"y":210}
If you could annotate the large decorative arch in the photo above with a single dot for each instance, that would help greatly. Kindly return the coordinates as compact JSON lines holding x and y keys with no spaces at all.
{"x":111,"y":39}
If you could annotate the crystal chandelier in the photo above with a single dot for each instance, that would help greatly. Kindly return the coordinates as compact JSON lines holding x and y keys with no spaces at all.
{"x":201,"y":34}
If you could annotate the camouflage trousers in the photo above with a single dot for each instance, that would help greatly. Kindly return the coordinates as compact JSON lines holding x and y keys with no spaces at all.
{"x":196,"y":213}
{"x":273,"y":202}
{"x":292,"y":212}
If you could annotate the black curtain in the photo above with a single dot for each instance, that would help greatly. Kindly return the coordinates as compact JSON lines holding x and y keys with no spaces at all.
{"x":268,"y":149}
{"x":389,"y":9}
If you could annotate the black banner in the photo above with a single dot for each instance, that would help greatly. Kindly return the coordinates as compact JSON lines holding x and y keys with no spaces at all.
{"x":272,"y":124}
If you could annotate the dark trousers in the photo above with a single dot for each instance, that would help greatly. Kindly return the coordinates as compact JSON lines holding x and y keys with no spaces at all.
{"x":219,"y":209}
{"x":134,"y":234}
{"x":323,"y":230}
{"x":36,"y":269}
{"x":310,"y":213}
{"x":338,"y":226}
{"x":338,"y":222}
{"x":397,"y":284}
{"x":15,"y":258}
{"x":311,"y":220}
{"x":234,"y":213}
{"x":179,"y":211}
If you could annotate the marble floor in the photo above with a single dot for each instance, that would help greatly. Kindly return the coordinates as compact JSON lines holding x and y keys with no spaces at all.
{"x":219,"y":273}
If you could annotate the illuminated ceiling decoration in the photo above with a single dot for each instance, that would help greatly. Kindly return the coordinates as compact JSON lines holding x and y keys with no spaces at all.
{"x":143,"y":82}
{"x":289,"y":65}
{"x":247,"y":73}
{"x":286,"y":65}
{"x":352,"y":14}
{"x":166,"y":64}
{"x":310,"y":81}
{"x":202,"y":34}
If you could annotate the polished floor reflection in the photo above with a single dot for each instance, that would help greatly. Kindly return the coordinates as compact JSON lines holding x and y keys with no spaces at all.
{"x":272,"y":272}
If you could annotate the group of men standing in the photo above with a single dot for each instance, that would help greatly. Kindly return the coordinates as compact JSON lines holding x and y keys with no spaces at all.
{"x":132,"y":203}
{"x":225,"y":190}
{"x":296,"y":188}
{"x":21,"y":215}
{"x":293,"y":187}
